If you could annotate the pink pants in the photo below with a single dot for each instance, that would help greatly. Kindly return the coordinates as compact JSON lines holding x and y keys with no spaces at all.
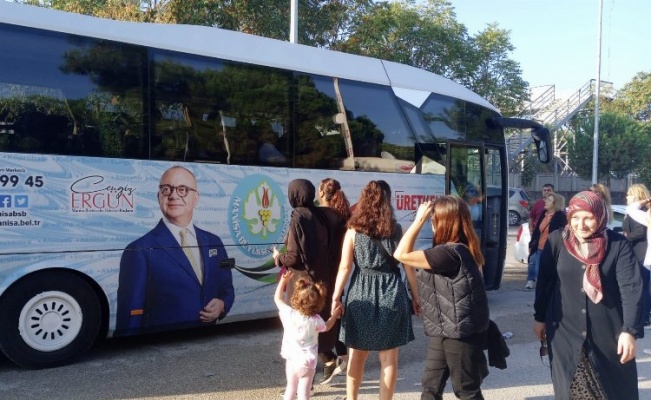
{"x":299,"y":381}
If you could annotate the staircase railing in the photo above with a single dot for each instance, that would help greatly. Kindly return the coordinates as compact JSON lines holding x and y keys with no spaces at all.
{"x":568,"y":108}
{"x":557,"y":116}
{"x":539,"y":103}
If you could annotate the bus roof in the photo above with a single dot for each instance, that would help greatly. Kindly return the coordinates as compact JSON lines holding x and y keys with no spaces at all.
{"x":237,"y":46}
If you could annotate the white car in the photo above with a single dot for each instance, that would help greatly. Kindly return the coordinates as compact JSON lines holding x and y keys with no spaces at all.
{"x":523,"y":237}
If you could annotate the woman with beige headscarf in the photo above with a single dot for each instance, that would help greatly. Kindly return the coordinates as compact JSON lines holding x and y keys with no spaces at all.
{"x":588,"y":306}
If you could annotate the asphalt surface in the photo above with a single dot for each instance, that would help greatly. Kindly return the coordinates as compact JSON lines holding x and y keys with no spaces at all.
{"x":241,"y":361}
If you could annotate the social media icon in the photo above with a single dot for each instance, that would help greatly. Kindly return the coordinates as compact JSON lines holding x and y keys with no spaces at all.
{"x":5,"y":201}
{"x":21,"y":201}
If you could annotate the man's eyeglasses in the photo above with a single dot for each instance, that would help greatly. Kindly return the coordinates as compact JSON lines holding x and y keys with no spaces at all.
{"x":182,"y":190}
{"x":544,"y":352}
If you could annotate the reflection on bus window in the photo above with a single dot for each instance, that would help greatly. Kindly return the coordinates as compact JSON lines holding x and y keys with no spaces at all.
{"x":381,"y":138}
{"x":225,"y":112}
{"x":319,"y":141}
{"x":466,"y":179}
{"x":81,"y":97}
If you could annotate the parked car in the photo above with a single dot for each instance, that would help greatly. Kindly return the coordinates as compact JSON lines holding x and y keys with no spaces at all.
{"x":523,"y":237}
{"x":519,"y":206}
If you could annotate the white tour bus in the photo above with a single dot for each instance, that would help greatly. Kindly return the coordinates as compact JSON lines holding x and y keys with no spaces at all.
{"x":93,"y":111}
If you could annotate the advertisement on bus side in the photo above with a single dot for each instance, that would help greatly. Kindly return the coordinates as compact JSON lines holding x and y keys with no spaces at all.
{"x":104,"y":218}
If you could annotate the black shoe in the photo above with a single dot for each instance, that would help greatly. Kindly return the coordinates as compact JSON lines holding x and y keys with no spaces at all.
{"x":329,"y":371}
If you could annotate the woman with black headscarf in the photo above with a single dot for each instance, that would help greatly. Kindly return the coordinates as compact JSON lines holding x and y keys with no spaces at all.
{"x":309,"y":246}
{"x":588,"y":306}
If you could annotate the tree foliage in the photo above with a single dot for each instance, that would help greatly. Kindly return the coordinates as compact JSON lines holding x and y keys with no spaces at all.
{"x":623,"y":146}
{"x":529,"y":170}
{"x":493,"y":74}
{"x":634,"y":99}
{"x":426,"y":37}
{"x":429,"y":37}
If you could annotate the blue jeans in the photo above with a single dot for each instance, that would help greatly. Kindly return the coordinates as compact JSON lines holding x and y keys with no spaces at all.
{"x":532,"y":270}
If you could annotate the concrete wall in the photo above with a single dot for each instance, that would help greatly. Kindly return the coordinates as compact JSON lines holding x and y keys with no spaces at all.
{"x":568,"y":186}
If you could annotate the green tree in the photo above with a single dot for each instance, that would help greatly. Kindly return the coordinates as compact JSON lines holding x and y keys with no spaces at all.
{"x":493,"y":74}
{"x":429,"y":37}
{"x":623,"y":144}
{"x":426,"y":36}
{"x":321,"y":22}
{"x":634,"y":98}
{"x":644,"y":168}
{"x":529,"y":170}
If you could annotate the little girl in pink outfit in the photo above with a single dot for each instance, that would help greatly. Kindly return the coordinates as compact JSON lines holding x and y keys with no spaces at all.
{"x":302,"y":325}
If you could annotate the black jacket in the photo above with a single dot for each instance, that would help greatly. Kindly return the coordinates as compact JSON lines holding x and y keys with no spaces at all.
{"x":496,"y":346}
{"x":558,"y":221}
{"x":636,"y":234}
{"x":573,"y":321}
{"x":454,"y":307}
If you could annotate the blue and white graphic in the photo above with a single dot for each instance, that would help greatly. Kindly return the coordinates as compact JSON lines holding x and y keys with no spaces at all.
{"x":21,"y":201}
{"x":5,"y":201}
{"x":257,"y":213}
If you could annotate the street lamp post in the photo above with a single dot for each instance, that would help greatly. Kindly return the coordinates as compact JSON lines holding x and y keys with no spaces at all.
{"x":595,"y":151}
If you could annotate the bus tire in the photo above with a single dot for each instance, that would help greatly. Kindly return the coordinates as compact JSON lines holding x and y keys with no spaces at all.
{"x":49,"y":319}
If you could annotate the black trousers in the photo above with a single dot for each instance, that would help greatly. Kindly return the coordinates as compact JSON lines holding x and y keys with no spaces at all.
{"x":461,"y":360}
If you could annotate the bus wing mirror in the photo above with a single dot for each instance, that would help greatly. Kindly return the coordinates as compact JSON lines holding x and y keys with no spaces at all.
{"x":541,"y":136}
{"x":543,"y":141}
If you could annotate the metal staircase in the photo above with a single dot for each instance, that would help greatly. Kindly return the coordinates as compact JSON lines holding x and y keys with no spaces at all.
{"x":554,"y":114}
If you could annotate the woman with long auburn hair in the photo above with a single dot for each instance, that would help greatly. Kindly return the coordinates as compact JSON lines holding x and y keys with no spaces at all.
{"x":452,"y":296}
{"x":331,"y":195}
{"x":335,"y":207}
{"x":377,"y":315}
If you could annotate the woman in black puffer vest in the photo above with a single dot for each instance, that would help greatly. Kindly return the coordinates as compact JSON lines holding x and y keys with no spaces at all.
{"x":452,"y":297}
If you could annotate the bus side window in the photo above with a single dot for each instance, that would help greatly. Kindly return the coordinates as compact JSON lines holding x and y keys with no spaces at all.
{"x":38,"y":131}
{"x":381,"y":137}
{"x":269,"y":141}
{"x":206,"y":139}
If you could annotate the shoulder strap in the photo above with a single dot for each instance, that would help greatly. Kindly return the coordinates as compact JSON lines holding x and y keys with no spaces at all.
{"x":392,"y":261}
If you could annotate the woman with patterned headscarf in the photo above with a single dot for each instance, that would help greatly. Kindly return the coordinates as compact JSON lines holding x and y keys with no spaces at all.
{"x":588,"y":306}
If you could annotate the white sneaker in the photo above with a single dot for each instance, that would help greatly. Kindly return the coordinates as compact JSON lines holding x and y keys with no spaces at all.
{"x":647,"y":351}
{"x":530,"y":285}
{"x":341,"y":366}
{"x":332,"y":370}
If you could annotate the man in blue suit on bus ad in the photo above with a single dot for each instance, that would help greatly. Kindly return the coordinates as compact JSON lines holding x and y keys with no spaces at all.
{"x":171,"y":277}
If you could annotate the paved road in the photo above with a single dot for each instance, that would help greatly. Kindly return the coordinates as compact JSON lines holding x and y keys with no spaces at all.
{"x":242,"y":362}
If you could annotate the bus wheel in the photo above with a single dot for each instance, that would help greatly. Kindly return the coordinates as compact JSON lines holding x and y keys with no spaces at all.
{"x":48,"y":319}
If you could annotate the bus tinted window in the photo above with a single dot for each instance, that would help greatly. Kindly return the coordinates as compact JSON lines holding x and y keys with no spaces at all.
{"x":216,"y":111}
{"x":319,"y":142}
{"x":445,"y":117}
{"x":61,"y":94}
{"x":381,"y":137}
{"x":477,"y":128}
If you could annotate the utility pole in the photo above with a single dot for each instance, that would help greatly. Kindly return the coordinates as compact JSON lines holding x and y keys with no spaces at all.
{"x":293,"y":22}
{"x":595,"y":152}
